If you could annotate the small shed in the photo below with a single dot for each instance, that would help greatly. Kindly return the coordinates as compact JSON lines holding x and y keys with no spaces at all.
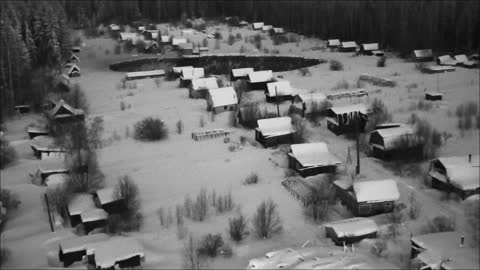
{"x":371,"y":49}
{"x":367,"y":198}
{"x":74,"y":71}
{"x":267,"y":28}
{"x":463,"y":61}
{"x":258,"y":80}
{"x":311,"y":159}
{"x":186,"y":48}
{"x":239,"y":73}
{"x":49,"y":167}
{"x":423,"y":55}
{"x":106,"y":199}
{"x":73,"y":249}
{"x":275,"y":131}
{"x":306,"y":104}
{"x":57,"y":180}
{"x":189,"y":74}
{"x":438,"y":69}
{"x":299,"y":188}
{"x":278,"y":31}
{"x":114,"y":27}
{"x":144,"y":74}
{"x":165,"y":39}
{"x":333,"y":43}
{"x":151,"y":46}
{"x":257,"y":25}
{"x":341,"y":119}
{"x":348,"y":46}
{"x":351,"y":230}
{"x":63,"y":113}
{"x":386,"y":142}
{"x":222,"y":99}
{"x":176,"y":41}
{"x":93,"y":219}
{"x":80,"y":203}
{"x":22,"y":109}
{"x":446,"y":60}
{"x":118,"y":252}
{"x":74,"y":59}
{"x":199,"y":87}
{"x":458,"y":174}
{"x":76,"y":49}
{"x":444,"y":250}
{"x":279,"y":91}
{"x":433,"y":96}
{"x":178,"y":70}
{"x":45,"y":147}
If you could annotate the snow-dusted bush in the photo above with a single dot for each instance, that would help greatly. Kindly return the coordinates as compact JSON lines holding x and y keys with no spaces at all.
{"x":150,"y":129}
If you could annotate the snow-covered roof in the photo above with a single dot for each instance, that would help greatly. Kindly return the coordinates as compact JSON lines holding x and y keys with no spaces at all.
{"x":177,"y":41}
{"x":52,"y":165}
{"x":192,"y":73}
{"x":267,"y":27}
{"x":376,"y":191}
{"x":370,"y":46}
{"x":333,"y":42}
{"x":106,"y":195}
{"x":79,"y":203}
{"x":142,"y":28}
{"x":275,"y":126}
{"x":56,"y":180}
{"x":462,"y":174}
{"x":447,"y":60}
{"x":257,"y":25}
{"x":204,"y":83}
{"x":223,"y":96}
{"x":203,"y":49}
{"x":135,"y":74}
{"x":187,"y":31}
{"x":178,"y":70}
{"x":349,"y":44}
{"x":282,"y":88}
{"x":78,"y":243}
{"x":278,"y":30}
{"x":353,"y":227}
{"x":62,"y":104}
{"x":349,"y":109}
{"x":423,"y":53}
{"x":74,"y":57}
{"x":116,"y":249}
{"x":45,"y":143}
{"x":260,"y":76}
{"x":314,"y":154}
{"x":439,"y":246}
{"x":437,"y":68}
{"x":343,"y":183}
{"x":114,"y":27}
{"x":73,"y":68}
{"x":241,"y":72}
{"x":93,"y":215}
{"x":392,"y":135}
{"x":461,"y":58}
{"x":165,"y":39}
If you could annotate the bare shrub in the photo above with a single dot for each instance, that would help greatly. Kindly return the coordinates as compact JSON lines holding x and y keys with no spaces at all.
{"x":210,"y":245}
{"x":191,"y":257}
{"x":343,"y":84}
{"x":179,"y":126}
{"x":439,"y":224}
{"x":380,"y":114}
{"x":395,"y":218}
{"x":224,"y":203}
{"x":150,"y":129}
{"x":304,"y":71}
{"x":322,"y":195}
{"x":231,"y":39}
{"x":237,"y":228}
{"x":381,"y":62}
{"x":251,"y":179}
{"x":473,"y":220}
{"x":7,"y":153}
{"x":300,"y":124}
{"x":266,"y":220}
{"x":336,"y":65}
{"x":131,"y":218}
{"x":415,"y":207}
{"x":122,"y":106}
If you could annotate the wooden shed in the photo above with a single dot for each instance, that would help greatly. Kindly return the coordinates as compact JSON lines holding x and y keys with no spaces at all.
{"x":351,"y":230}
{"x":151,"y":46}
{"x":299,"y":188}
{"x":348,"y":46}
{"x":463,"y":61}
{"x":257,"y":25}
{"x":144,"y":74}
{"x":446,"y":60}
{"x":222,"y":99}
{"x":367,"y":198}
{"x":342,"y":119}
{"x":386,"y":142}
{"x":93,"y":219}
{"x":333,"y":43}
{"x":176,"y":41}
{"x":74,"y":59}
{"x":189,"y":74}
{"x":371,"y":49}
{"x":105,"y":199}
{"x":57,"y":180}
{"x":80,"y":203}
{"x":423,"y":55}
{"x":275,"y":131}
{"x":279,"y":91}
{"x":52,"y":166}
{"x":306,"y":104}
{"x":64,"y":113}
{"x":116,"y":253}
{"x":458,"y":174}
{"x":73,"y":249}
{"x":240,"y":73}
{"x":45,"y":147}
{"x":258,"y":80}
{"x":311,"y":159}
{"x":199,"y":87}
{"x":433,"y":96}
{"x":36,"y":131}
{"x":74,"y":71}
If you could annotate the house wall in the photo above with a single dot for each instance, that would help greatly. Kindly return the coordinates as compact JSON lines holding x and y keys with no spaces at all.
{"x":257,"y":86}
{"x":280,"y":98}
{"x":71,"y":257}
{"x":339,"y":241}
{"x":92,"y":225}
{"x":131,"y":262}
{"x":202,"y":93}
{"x":74,"y":219}
{"x":295,"y":165}
{"x":224,"y":108}
{"x":363,"y":209}
{"x":273,"y":141}
{"x":185,"y":83}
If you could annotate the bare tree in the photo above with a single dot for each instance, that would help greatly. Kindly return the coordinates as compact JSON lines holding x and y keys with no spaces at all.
{"x":237,"y":227}
{"x":266,"y":220}
{"x":191,"y":257}
{"x":127,"y":191}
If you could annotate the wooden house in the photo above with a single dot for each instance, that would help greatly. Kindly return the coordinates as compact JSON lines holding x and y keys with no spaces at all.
{"x":443,"y":250}
{"x":105,"y":198}
{"x":348,"y":46}
{"x":57,"y":180}
{"x":423,"y":55}
{"x":176,"y":41}
{"x":342,"y":119}
{"x":116,"y":253}
{"x":73,"y":249}
{"x":199,"y":87}
{"x":74,"y":59}
{"x":371,"y":49}
{"x":307,"y":104}
{"x":387,"y":142}
{"x":93,"y":219}
{"x":277,"y":31}
{"x":311,"y":159}
{"x":267,"y":28}
{"x":73,"y":71}
{"x":178,"y":70}
{"x":433,"y":96}
{"x":463,"y":61}
{"x":333,"y":43}
{"x":458,"y":174}
{"x":367,"y":198}
{"x":257,"y":25}
{"x":222,"y":99}
{"x":44,"y":147}
{"x":124,"y":36}
{"x":21,"y":109}
{"x":49,"y":167}
{"x":187,"y":75}
{"x":258,"y":80}
{"x":144,"y":74}
{"x":446,"y":60}
{"x":80,"y":203}
{"x":240,"y":73}
{"x":164,"y":40}
{"x":186,"y":48}
{"x":351,"y":230}
{"x":64,"y":113}
{"x":299,"y":189}
{"x":76,"y":49}
{"x":274,"y":131}
{"x":279,"y":91}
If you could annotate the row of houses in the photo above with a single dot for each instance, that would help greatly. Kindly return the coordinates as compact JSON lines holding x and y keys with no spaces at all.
{"x":351,"y":46}
{"x":268,"y":28}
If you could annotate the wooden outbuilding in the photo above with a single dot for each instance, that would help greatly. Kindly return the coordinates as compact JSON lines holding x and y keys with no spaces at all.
{"x":187,"y":75}
{"x":44,"y":147}
{"x":199,"y":87}
{"x":311,"y":159}
{"x":240,"y":73}
{"x":457,"y":174}
{"x":438,"y":69}
{"x":74,"y":59}
{"x":144,"y":74}
{"x":423,"y":55}
{"x":81,"y":202}
{"x":64,"y":113}
{"x":74,"y":248}
{"x":116,"y":253}
{"x":258,"y":80}
{"x":367,"y":198}
{"x":73,"y":71}
{"x":277,"y":31}
{"x":257,"y":25}
{"x":275,"y":131}
{"x":388,"y":142}
{"x":463,"y":61}
{"x":279,"y":91}
{"x":371,"y":49}
{"x":351,"y":230}
{"x":342,"y":119}
{"x":52,"y":166}
{"x":348,"y":46}
{"x":76,"y":49}
{"x":105,"y":198}
{"x":222,"y":99}
{"x":93,"y":219}
{"x":446,"y":60}
{"x":433,"y":96}
{"x":307,"y":104}
{"x":333,"y":43}
{"x":300,"y":189}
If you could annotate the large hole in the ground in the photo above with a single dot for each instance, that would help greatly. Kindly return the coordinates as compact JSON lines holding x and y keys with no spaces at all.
{"x":220,"y":64}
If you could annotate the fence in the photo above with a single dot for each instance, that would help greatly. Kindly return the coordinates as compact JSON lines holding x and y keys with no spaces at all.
{"x":210,"y":134}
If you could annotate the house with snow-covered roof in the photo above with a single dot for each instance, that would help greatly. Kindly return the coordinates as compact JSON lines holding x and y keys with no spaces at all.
{"x":387,"y":142}
{"x":63,"y":113}
{"x":239,"y":73}
{"x":348,"y":46}
{"x":116,"y":253}
{"x":311,"y":159}
{"x":351,"y":230}
{"x":74,"y":248}
{"x":73,"y":71}
{"x":341,"y":119}
{"x":107,"y":200}
{"x":371,"y":49}
{"x":199,"y":87}
{"x":279,"y":91}
{"x":80,"y":203}
{"x":333,"y":43}
{"x":257,"y":25}
{"x":423,"y":55}
{"x":258,"y":80}
{"x":222,"y":99}
{"x":187,"y":75}
{"x":275,"y":131}
{"x":44,"y":147}
{"x":93,"y":218}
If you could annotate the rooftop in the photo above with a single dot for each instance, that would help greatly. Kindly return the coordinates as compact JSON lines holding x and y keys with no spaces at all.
{"x":116,"y":249}
{"x":260,"y":76}
{"x":275,"y":126}
{"x":204,"y":83}
{"x":376,"y":191}
{"x":353,"y":227}
{"x":280,"y":88}
{"x":192,"y":73}
{"x":349,"y":109}
{"x":314,"y":154}
{"x":81,"y":202}
{"x":241,"y":72}
{"x":77,"y":243}
{"x":93,"y":215}
{"x":106,"y":195}
{"x":223,"y":96}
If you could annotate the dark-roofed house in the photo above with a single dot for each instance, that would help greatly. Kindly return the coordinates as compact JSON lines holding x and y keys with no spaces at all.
{"x":199,"y":87}
{"x":446,"y":60}
{"x":279,"y":91}
{"x":74,"y":248}
{"x":458,"y":174}
{"x":367,"y":198}
{"x":240,"y":73}
{"x":443,"y":250}
{"x":306,"y":104}
{"x":348,"y":46}
{"x":74,"y":71}
{"x":258,"y":80}
{"x":63,"y":113}
{"x":371,"y":49}
{"x":275,"y":131}
{"x":115,"y":253}
{"x":76,"y":49}
{"x":386,"y":142}
{"x":423,"y":55}
{"x":45,"y":147}
{"x":189,"y":74}
{"x":311,"y":159}
{"x":222,"y":99}
{"x":342,"y":119}
{"x":299,"y":188}
{"x":151,"y":46}
{"x":333,"y":43}
{"x":105,"y":198}
{"x":351,"y":230}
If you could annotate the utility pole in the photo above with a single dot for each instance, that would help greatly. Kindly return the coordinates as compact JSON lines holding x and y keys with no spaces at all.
{"x":276,"y":99}
{"x":357,"y":132}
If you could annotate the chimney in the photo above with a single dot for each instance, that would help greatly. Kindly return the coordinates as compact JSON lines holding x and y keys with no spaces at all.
{"x":462,"y":240}
{"x":470,"y":158}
